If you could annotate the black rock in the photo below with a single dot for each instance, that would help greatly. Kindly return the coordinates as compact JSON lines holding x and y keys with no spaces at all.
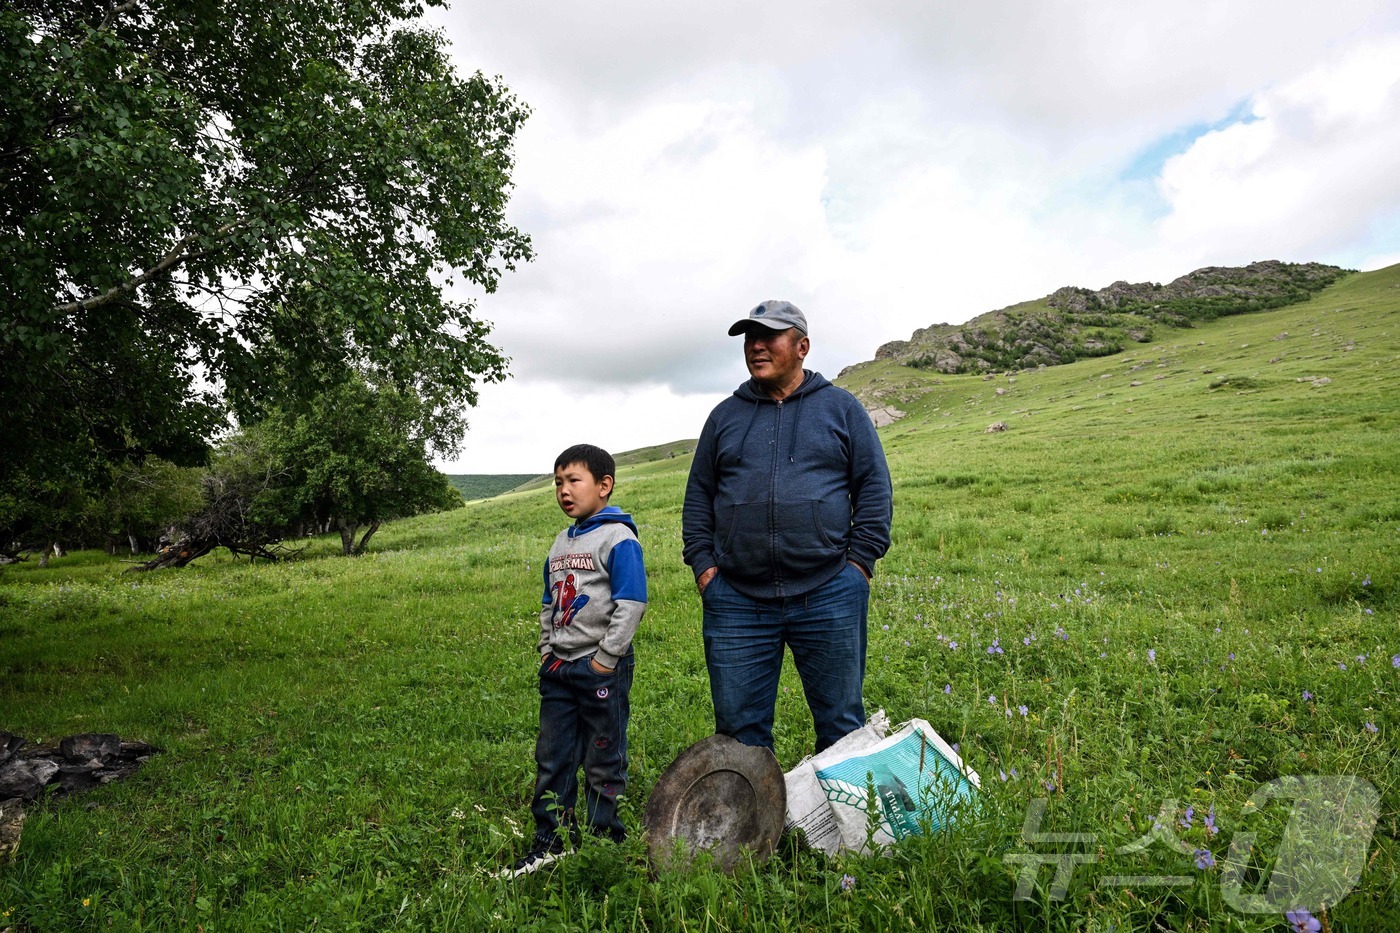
{"x":80,"y":749}
{"x":9,"y":745}
{"x":74,"y":779}
{"x":138,"y":751}
{"x":25,"y":777}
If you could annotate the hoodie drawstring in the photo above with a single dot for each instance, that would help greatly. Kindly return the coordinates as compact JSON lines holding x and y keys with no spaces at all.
{"x":792,"y":444}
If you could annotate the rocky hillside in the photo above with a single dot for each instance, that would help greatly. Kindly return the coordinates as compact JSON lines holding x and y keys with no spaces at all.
{"x":1072,"y":323}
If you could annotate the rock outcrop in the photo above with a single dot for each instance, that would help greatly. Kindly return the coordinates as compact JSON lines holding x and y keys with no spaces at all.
{"x":1073,"y":323}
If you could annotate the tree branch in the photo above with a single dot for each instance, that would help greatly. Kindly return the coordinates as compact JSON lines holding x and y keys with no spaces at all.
{"x":177,"y":255}
{"x":116,"y":10}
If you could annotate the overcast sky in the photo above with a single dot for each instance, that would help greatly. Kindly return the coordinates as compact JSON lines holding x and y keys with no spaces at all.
{"x":891,"y":164}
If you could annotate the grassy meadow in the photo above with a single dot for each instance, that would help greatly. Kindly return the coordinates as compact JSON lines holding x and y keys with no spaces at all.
{"x":1173,"y":577}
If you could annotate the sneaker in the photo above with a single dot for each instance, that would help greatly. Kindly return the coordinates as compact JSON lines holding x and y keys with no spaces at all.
{"x":540,"y":855}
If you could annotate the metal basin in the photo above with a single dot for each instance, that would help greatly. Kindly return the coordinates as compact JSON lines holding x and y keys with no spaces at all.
{"x":719,"y":796}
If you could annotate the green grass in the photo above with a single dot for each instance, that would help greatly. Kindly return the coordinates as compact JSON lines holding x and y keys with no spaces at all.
{"x":349,"y":742}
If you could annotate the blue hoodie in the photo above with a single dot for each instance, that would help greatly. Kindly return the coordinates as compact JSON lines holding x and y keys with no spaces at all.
{"x":782,"y":494}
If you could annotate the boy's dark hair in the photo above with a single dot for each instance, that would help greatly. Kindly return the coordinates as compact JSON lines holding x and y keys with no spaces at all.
{"x":598,"y":461}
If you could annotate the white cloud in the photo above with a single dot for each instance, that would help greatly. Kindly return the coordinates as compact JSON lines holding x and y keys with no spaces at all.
{"x":1304,"y":175}
{"x":521,"y":427}
{"x":894,"y":164}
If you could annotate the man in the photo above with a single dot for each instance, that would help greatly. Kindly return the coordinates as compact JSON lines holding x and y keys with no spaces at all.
{"x":786,"y":512}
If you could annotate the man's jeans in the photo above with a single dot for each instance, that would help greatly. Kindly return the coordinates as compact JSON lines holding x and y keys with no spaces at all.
{"x":583,"y":721}
{"x":744,"y":640}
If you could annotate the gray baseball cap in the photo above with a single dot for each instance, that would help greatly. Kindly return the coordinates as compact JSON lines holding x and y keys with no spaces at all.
{"x":774,"y":315}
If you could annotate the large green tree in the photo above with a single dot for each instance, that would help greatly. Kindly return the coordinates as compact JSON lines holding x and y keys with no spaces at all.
{"x":208,"y":206}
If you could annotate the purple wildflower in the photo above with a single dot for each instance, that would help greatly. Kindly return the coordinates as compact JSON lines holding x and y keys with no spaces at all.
{"x":886,"y":627}
{"x":1361,"y":659}
{"x":953,"y":645}
{"x":1371,"y":727}
{"x":1003,"y":775}
{"x":1302,"y":921}
{"x":1152,"y":655}
{"x":947,"y":688}
{"x":847,"y":882}
{"x":1023,"y":710}
{"x":995,"y":647}
{"x":992,"y":699}
{"x":1050,"y":786}
{"x":1027,"y":641}
{"x":1341,"y":666}
{"x":1013,"y":771}
{"x":1232,"y":654}
{"x":1061,"y":633}
{"x":1187,"y":817}
{"x":1395,"y":660}
{"x":1204,"y":859}
{"x":1210,"y":823}
{"x":1307,"y":695}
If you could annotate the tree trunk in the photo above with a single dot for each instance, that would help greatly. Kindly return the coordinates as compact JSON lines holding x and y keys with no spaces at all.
{"x":373,"y":527}
{"x":44,"y":557}
{"x":347,"y":536}
{"x":135,"y":545}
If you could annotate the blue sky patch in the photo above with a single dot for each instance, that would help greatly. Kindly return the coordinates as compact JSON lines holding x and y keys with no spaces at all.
{"x":1147,"y":163}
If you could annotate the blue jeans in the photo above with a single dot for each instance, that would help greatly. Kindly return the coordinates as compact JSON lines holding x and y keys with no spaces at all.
{"x":583,"y":722}
{"x":744,"y":639}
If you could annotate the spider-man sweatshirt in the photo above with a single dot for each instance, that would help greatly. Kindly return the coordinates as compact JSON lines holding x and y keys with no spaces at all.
{"x":595,"y":589}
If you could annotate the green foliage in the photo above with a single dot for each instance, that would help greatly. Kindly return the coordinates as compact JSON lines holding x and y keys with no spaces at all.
{"x":355,"y":455}
{"x":273,"y":195}
{"x":349,"y":743}
{"x":146,"y":499}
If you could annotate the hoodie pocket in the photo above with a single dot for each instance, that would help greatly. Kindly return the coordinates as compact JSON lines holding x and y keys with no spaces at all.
{"x":743,"y":527}
{"x":803,"y":536}
{"x":808,"y":534}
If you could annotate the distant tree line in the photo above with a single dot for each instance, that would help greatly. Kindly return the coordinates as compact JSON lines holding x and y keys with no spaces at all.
{"x":486,"y":485}
{"x":345,"y":462}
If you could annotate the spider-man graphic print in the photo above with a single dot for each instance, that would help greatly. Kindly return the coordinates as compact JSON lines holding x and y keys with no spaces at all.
{"x":567,"y":601}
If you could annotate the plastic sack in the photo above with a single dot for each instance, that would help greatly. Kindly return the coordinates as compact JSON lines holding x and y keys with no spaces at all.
{"x":913,"y":779}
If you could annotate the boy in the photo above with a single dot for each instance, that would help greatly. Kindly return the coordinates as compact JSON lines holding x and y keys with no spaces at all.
{"x":595,"y":593}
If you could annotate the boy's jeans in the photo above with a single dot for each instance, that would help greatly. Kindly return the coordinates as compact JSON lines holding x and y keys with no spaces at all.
{"x":744,"y":640}
{"x":583,"y":721}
